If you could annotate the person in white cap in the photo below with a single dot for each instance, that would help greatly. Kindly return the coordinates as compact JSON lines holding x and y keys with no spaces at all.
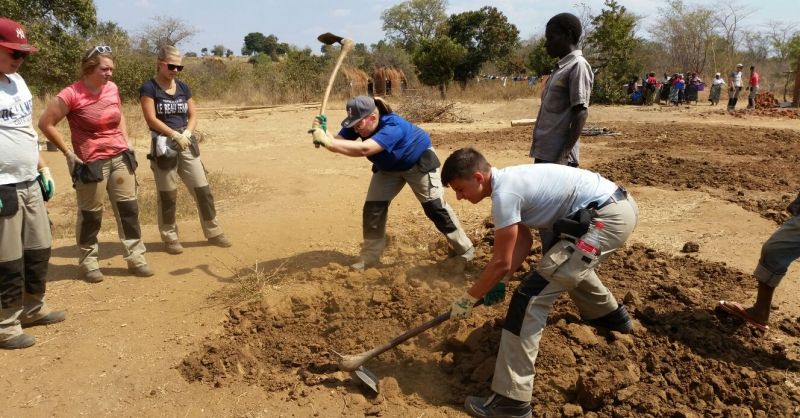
{"x":401,"y":153}
{"x":25,"y":184}
{"x":735,"y":87}
{"x":716,"y":89}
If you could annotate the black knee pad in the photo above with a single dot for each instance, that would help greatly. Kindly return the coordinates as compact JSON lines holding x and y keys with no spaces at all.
{"x":532,"y":284}
{"x":617,"y":320}
{"x":168,"y":201}
{"x":129,"y":217}
{"x":374,"y":219}
{"x":90,"y":226}
{"x":205,"y":203}
{"x":436,"y":212}
{"x":10,"y":283}
{"x":36,"y":262}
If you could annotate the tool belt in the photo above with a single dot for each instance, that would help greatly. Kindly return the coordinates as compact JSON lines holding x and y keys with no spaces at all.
{"x":576,"y":225}
{"x":619,"y":195}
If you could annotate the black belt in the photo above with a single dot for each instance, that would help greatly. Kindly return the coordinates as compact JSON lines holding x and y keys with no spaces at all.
{"x":618,"y":195}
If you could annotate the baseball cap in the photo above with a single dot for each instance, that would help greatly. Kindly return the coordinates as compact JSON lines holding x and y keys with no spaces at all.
{"x":12,"y":36}
{"x":739,"y":65}
{"x":358,"y":108}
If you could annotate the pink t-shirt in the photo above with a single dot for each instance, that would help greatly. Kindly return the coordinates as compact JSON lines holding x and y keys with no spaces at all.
{"x":94,"y":121}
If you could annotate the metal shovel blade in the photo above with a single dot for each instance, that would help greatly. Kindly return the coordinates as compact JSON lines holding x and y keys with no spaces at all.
{"x":367,"y":377}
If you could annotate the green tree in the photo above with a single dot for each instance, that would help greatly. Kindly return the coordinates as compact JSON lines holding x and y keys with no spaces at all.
{"x":228,"y":53}
{"x":614,"y":43}
{"x":204,"y":51}
{"x":254,"y":42}
{"x":436,"y":60}
{"x":539,"y":61}
{"x":486,"y":35}
{"x":218,"y":50}
{"x":58,"y":28}
{"x":413,"y":21}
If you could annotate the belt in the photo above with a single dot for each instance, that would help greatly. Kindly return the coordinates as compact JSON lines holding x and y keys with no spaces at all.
{"x":618,"y":195}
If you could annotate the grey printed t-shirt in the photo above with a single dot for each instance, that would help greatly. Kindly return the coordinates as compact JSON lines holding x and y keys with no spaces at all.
{"x":570,"y":85}
{"x":19,"y":144}
{"x":537,"y":195}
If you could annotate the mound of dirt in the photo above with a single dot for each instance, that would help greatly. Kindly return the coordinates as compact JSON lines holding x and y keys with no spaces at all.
{"x":683,"y":359}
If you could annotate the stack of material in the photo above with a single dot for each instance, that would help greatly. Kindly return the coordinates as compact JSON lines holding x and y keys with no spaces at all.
{"x":766,"y":101}
{"x":418,"y":109}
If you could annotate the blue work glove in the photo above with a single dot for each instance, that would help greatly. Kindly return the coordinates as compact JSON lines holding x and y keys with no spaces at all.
{"x":496,"y":295}
{"x":49,"y":183}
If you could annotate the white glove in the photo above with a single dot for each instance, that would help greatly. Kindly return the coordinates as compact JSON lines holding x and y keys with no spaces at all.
{"x":462,"y":307}
{"x":187,"y":133}
{"x":181,"y":140}
{"x":72,"y":161}
{"x":321,"y":137}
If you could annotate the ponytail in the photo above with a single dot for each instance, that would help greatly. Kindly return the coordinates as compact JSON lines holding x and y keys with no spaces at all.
{"x":382,"y":106}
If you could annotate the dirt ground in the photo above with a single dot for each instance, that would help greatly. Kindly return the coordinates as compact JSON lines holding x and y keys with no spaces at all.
{"x":196,"y":340}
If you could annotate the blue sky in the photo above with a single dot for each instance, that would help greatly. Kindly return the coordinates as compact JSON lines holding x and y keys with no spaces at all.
{"x":298,"y":22}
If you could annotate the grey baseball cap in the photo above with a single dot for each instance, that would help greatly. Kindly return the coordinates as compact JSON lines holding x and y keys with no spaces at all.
{"x":358,"y":108}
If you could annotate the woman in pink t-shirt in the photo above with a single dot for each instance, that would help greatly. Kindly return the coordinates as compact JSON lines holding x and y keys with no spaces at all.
{"x":101,"y":161}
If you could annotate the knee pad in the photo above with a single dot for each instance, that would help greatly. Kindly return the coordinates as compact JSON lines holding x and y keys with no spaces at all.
{"x":532,"y":284}
{"x":10,"y":283}
{"x":129,"y":218}
{"x":564,"y":265}
{"x":90,"y":226}
{"x":36,"y":262}
{"x":436,"y":212}
{"x":374,"y":219}
{"x":205,"y":203}
{"x":168,"y":202}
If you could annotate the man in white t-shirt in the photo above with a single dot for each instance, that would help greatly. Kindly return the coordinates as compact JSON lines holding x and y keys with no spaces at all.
{"x":735,"y":83}
{"x":539,"y":196}
{"x":25,"y":183}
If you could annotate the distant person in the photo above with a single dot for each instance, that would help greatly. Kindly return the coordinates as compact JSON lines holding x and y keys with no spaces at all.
{"x":401,"y":153}
{"x":168,"y":109}
{"x":676,"y":92}
{"x":565,"y":99}
{"x":539,"y":196}
{"x":777,"y":253}
{"x":755,"y":82}
{"x":101,"y":162}
{"x":25,"y":184}
{"x":734,"y":87}
{"x":716,"y":89}
{"x":651,"y":85}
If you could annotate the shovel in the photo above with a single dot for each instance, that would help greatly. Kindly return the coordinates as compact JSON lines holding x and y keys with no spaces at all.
{"x":355,"y":363}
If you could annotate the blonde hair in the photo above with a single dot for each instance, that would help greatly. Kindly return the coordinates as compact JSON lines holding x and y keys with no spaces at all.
{"x":166,"y":51}
{"x":91,"y":59}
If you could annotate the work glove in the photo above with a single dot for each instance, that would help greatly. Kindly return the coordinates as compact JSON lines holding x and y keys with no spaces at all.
{"x":181,"y":140}
{"x":49,"y":183}
{"x":794,"y":207}
{"x":320,"y":121}
{"x":321,"y":137}
{"x":72,"y":161}
{"x":496,"y":295}
{"x":462,"y":307}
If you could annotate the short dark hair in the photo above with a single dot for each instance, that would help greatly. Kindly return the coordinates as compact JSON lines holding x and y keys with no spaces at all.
{"x":752,"y":67}
{"x":569,"y":23}
{"x":462,"y":163}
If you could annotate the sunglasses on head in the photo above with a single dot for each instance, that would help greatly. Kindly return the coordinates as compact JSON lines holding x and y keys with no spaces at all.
{"x":173,"y":67}
{"x":99,"y":49}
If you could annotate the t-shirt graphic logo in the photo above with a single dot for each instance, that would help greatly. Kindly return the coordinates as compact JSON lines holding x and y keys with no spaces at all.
{"x":20,"y":33}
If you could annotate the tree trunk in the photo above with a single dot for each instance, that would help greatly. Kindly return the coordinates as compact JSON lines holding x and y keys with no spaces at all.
{"x":796,"y":94}
{"x":443,"y":90}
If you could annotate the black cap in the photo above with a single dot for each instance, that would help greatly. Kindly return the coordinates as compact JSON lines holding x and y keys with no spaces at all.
{"x":358,"y":108}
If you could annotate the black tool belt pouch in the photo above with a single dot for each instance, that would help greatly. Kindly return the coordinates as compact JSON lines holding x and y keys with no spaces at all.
{"x":574,"y":226}
{"x":10,"y":200}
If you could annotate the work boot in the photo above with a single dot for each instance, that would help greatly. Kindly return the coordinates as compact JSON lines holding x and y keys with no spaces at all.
{"x":618,"y":320}
{"x":362,"y":264}
{"x":220,"y":241}
{"x":142,"y":270}
{"x":51,"y":318}
{"x":468,"y":255}
{"x":173,"y":247}
{"x":497,"y":406}
{"x":93,"y":276}
{"x":15,"y":343}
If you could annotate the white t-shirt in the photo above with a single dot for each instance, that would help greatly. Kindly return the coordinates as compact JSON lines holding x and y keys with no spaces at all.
{"x":537,"y":195}
{"x":19,"y":144}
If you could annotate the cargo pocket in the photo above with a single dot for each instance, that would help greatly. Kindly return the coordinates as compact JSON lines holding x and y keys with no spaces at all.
{"x":9,"y":200}
{"x":91,"y":172}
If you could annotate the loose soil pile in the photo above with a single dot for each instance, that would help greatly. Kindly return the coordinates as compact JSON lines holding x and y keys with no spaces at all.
{"x":684,"y":360}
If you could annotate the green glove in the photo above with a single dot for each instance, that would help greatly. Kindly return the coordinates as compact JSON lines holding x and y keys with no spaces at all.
{"x":496,"y":295}
{"x":322,"y":122}
{"x":49,"y":183}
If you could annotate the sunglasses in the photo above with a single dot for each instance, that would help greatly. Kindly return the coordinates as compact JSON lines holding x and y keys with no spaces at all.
{"x":173,"y":67}
{"x":100,"y":49}
{"x":15,"y":54}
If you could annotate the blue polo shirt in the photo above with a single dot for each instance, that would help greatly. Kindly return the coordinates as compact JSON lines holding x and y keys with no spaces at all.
{"x":403,"y":143}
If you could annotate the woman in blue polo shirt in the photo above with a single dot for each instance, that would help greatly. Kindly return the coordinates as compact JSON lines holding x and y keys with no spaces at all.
{"x":401,"y":153}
